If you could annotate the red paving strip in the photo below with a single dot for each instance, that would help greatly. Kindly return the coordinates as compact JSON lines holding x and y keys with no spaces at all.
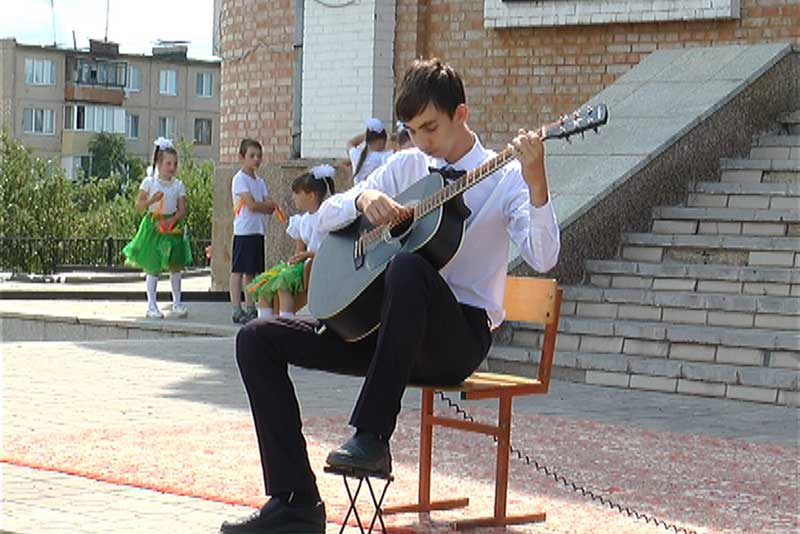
{"x":707,"y":484}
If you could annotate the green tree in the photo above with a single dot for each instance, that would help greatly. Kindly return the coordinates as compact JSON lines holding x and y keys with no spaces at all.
{"x":36,"y":202}
{"x":109,"y":155}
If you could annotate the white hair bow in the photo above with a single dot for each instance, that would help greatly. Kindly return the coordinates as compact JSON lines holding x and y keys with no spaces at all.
{"x":163,"y":143}
{"x":401,"y":126}
{"x":374,"y":125}
{"x":323,"y":171}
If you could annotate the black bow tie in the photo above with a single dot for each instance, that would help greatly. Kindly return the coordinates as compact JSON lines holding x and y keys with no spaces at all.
{"x":448,"y":173}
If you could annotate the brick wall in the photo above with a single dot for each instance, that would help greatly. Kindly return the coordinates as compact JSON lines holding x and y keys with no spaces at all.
{"x":521,"y":77}
{"x":257,"y":76}
{"x":515,"y":77}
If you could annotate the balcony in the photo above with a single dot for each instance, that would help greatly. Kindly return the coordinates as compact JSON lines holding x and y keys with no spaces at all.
{"x":96,"y":80}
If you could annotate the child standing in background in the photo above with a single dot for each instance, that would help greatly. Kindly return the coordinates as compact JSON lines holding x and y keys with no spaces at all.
{"x":162,"y":241}
{"x":373,"y":154}
{"x":286,"y":278}
{"x":251,"y":203}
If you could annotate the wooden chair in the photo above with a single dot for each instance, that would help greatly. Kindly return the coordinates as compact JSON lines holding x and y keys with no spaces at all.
{"x":533,"y":300}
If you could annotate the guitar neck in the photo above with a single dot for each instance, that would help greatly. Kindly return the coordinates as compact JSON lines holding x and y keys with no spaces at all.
{"x":471,"y":178}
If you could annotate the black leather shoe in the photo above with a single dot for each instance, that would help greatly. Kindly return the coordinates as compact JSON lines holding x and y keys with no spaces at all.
{"x":277,"y":517}
{"x":363,"y":451}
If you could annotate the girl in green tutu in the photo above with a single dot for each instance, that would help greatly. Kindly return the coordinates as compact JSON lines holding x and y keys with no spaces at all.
{"x":286,"y":278}
{"x":162,"y":241}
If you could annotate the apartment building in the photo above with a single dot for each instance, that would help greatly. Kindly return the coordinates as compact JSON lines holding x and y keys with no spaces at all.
{"x":54,"y":100}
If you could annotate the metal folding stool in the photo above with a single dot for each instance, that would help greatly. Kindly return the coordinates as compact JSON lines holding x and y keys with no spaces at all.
{"x":362,"y":476}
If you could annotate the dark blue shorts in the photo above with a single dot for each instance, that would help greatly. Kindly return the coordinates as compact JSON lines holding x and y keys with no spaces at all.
{"x":248,"y":254}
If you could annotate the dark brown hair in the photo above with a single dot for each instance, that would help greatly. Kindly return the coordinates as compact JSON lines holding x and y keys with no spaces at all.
{"x":308,"y":183}
{"x":158,"y":153}
{"x":247,"y":143}
{"x":429,"y":81}
{"x":369,"y":137}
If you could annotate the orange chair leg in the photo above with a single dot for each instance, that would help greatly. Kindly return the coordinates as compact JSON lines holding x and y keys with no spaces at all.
{"x":424,"y":503}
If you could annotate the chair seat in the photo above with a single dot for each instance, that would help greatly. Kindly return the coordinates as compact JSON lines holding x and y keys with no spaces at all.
{"x":493,"y":385}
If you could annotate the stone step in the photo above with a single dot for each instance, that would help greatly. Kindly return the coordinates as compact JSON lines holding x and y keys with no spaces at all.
{"x":694,"y":277}
{"x":744,"y":194}
{"x":713,"y":309}
{"x":777,"y":140}
{"x":751,"y":346}
{"x":638,"y":371}
{"x":776,"y":146}
{"x":728,"y":221}
{"x":736,"y":213}
{"x":773,"y":168}
{"x":790,"y":122}
{"x":768,"y":164}
{"x":731,"y":250}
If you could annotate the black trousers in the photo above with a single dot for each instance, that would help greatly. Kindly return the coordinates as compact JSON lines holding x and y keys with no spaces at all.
{"x":425,"y":336}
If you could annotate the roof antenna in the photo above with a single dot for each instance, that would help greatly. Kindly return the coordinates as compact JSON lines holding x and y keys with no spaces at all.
{"x":105,"y":39}
{"x":53,"y":11}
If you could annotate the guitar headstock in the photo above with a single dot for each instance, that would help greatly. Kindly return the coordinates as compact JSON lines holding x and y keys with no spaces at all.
{"x":579,"y":121}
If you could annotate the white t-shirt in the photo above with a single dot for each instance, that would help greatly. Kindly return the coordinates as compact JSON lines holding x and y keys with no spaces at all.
{"x":304,"y":227}
{"x":371,"y":162}
{"x":247,"y":222}
{"x":173,"y":189}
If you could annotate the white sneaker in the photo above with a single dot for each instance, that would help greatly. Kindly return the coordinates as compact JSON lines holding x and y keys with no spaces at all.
{"x":179,"y":311}
{"x":154,"y":314}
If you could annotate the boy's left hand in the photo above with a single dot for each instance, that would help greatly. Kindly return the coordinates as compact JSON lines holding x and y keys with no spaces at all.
{"x":529,"y":150}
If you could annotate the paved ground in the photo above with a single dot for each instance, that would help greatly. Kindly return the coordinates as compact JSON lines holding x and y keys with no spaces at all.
{"x":70,"y":386}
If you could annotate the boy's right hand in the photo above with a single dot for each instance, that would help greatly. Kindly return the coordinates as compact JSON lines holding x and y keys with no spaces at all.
{"x":378,"y":207}
{"x":158,"y":195}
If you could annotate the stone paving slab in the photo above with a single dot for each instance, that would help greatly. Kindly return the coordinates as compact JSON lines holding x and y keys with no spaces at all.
{"x":189,"y":283}
{"x":62,"y":386}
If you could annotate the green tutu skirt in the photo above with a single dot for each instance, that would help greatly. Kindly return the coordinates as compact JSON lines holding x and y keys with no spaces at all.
{"x":155,"y":252}
{"x":281,"y":277}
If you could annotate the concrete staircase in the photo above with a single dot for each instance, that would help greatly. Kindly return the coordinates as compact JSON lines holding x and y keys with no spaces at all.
{"x":707,"y":303}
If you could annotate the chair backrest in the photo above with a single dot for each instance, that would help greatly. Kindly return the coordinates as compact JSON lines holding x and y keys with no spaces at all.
{"x":536,"y":300}
{"x":530,"y":300}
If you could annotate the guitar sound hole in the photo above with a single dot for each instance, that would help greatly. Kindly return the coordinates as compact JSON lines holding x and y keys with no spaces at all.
{"x":402,"y":228}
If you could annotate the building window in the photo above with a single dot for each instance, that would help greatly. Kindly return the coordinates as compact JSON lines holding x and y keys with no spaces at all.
{"x":202,"y":131}
{"x":134,"y":79}
{"x":132,"y":126}
{"x":166,"y":127}
{"x":85,"y":118}
{"x":169,"y":82}
{"x":38,"y":121}
{"x":40,"y":72}
{"x":204,"y":82}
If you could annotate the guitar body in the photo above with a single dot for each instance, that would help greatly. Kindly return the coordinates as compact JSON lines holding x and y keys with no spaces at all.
{"x":346,"y":291}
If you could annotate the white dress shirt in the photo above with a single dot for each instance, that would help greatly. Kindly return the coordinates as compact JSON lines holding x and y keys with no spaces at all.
{"x":501,"y":209}
{"x":304,"y":227}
